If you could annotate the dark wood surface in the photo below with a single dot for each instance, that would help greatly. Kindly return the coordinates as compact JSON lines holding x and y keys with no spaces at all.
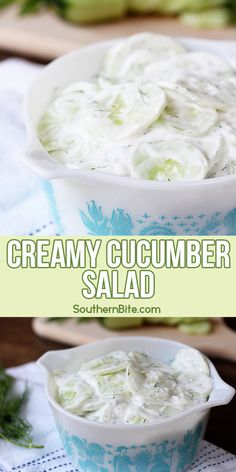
{"x":19,"y":345}
{"x":5,"y":54}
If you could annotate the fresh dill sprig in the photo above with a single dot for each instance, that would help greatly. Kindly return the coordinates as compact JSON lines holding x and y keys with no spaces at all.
{"x":13,"y":428}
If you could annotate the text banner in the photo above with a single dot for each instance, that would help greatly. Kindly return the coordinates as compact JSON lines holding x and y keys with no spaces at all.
{"x":155,"y":276}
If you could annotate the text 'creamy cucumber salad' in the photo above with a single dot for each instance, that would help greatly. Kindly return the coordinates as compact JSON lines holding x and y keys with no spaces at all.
{"x":156,"y":111}
{"x":133,"y":388}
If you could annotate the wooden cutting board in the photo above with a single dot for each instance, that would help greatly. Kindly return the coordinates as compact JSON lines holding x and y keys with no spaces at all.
{"x":45,"y":36}
{"x":221,"y":343}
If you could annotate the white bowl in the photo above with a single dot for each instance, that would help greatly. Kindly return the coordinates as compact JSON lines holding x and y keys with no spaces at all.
{"x":91,"y":202}
{"x":168,"y":446}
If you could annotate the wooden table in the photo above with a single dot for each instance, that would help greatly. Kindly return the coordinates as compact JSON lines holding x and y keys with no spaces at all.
{"x":18,"y":345}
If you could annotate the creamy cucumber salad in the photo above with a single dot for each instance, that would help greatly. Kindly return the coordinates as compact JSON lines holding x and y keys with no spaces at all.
{"x":156,"y":111}
{"x":134,"y":388}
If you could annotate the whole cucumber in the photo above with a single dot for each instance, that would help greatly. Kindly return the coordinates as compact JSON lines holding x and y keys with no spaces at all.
{"x":142,"y":6}
{"x":157,"y":320}
{"x":92,"y":11}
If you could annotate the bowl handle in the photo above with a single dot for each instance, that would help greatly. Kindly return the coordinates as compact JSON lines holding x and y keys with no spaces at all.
{"x":38,"y":160}
{"x":53,"y":360}
{"x":223,"y":393}
{"x":43,"y":362}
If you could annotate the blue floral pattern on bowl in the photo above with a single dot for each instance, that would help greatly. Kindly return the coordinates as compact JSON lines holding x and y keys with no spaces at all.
{"x":120,"y":223}
{"x":167,"y":456}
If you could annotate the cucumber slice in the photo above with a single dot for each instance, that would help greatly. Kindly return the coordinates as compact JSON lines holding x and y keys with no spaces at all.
{"x":168,"y":161}
{"x":192,"y":320}
{"x":108,"y":364}
{"x":178,"y":6}
{"x":196,"y":329}
{"x":86,"y":118}
{"x":215,"y":18}
{"x":190,"y":360}
{"x":174,"y":321}
{"x":121,"y":323}
{"x":185,"y":113}
{"x":128,"y":58}
{"x":194,"y":70}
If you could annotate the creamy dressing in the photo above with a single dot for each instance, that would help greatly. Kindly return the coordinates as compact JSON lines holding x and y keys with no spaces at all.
{"x":155,"y":111}
{"x":133,"y":388}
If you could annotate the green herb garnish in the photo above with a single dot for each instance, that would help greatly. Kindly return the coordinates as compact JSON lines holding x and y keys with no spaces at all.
{"x":13,"y":428}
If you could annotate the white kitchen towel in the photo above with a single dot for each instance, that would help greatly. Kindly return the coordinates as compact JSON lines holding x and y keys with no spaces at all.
{"x":24,"y":207}
{"x":53,"y":458}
